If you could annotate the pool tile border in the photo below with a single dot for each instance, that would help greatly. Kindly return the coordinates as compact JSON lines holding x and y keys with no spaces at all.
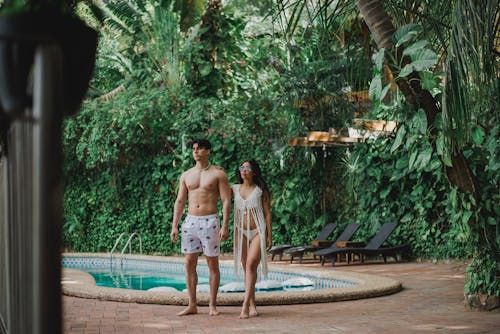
{"x":81,"y":284}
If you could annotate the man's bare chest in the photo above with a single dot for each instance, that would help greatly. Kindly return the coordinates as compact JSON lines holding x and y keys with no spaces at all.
{"x":198,"y":181}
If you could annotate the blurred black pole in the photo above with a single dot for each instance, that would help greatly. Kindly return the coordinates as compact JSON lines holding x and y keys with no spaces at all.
{"x":46,"y":61}
{"x":47,"y":188}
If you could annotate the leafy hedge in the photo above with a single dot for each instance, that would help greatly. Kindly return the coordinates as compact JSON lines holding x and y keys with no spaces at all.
{"x":124,"y":156}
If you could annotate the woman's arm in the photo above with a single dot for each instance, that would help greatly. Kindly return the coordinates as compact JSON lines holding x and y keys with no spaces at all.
{"x":266,"y":206}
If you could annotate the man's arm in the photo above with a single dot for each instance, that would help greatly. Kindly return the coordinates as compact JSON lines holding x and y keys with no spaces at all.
{"x":179,"y":204}
{"x":225,"y":196}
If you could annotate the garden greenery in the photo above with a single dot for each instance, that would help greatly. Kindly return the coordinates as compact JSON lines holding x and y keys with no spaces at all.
{"x":124,"y":154}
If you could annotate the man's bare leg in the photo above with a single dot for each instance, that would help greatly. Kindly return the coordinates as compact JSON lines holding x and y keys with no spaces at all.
{"x":214,"y":281}
{"x":252,"y":261}
{"x":191,"y":283}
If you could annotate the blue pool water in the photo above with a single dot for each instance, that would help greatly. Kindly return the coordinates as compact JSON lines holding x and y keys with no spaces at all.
{"x":144,"y":274}
{"x":139,"y":280}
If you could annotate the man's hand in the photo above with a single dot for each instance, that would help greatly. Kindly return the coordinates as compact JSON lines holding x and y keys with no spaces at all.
{"x":224,"y":233}
{"x":174,"y":234}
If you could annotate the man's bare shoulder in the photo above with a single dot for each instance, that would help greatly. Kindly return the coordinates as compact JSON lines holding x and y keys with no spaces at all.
{"x":187,"y":172}
{"x":220,"y":169}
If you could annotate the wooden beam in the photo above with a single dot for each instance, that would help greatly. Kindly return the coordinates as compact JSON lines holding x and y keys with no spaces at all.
{"x":318,"y":136}
{"x":375,"y":125}
{"x":339,"y":141}
{"x":337,"y":132}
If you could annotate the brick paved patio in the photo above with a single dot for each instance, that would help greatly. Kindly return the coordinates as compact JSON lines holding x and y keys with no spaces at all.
{"x":431,"y":302}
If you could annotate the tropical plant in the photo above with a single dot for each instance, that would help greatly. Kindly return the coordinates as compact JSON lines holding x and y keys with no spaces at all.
{"x":457,"y":129}
{"x":141,"y":41}
{"x":248,"y":87}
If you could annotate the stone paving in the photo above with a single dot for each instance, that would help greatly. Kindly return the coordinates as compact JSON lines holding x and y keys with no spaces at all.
{"x":431,"y":302}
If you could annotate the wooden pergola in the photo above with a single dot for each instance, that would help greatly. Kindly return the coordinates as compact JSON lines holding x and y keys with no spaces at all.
{"x":362,"y":129}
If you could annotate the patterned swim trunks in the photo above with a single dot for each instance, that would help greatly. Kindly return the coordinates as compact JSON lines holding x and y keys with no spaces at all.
{"x":200,"y":234}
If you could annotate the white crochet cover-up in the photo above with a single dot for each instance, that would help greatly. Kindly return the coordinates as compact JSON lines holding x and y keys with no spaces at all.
{"x":253,"y":206}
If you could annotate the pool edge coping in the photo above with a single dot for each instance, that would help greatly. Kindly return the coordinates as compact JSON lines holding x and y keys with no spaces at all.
{"x":78,"y":283}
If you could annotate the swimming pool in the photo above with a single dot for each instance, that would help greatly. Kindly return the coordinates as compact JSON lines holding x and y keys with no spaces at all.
{"x":79,"y":283}
{"x":144,"y":274}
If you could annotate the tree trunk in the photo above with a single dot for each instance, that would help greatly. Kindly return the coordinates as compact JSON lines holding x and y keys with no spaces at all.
{"x":459,"y":174}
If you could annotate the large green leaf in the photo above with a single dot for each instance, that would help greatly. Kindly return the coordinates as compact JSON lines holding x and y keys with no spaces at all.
{"x":478,"y":135}
{"x":429,"y":80}
{"x":385,"y":90}
{"x":423,"y":158}
{"x":379,"y":61}
{"x":440,"y":144}
{"x":406,"y":33}
{"x":376,"y":88}
{"x":423,"y":59}
{"x":420,"y":122}
{"x":417,"y":46}
{"x":409,"y":68}
{"x":399,"y":139}
{"x":402,"y":164}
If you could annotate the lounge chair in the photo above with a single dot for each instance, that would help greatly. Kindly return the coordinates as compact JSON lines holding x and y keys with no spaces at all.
{"x":301,"y":250}
{"x":374,"y":247}
{"x":321,"y":238}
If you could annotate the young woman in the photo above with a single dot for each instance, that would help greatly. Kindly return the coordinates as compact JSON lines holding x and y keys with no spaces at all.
{"x":252,"y":229}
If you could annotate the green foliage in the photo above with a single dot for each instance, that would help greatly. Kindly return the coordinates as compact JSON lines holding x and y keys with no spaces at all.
{"x":141,"y":41}
{"x":248,"y":93}
{"x":483,"y":275}
{"x":124,"y":155}
{"x":213,"y":53}
{"x":438,"y":221}
{"x":118,"y":168}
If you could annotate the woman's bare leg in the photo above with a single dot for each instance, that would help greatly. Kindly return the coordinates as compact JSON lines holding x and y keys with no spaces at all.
{"x":250,"y":263}
{"x":244,"y":252}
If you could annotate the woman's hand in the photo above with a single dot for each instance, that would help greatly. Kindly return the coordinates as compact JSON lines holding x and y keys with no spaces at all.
{"x":269,"y":242}
{"x":223,"y":233}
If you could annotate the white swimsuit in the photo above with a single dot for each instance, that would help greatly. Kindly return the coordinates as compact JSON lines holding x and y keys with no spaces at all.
{"x":251,"y":206}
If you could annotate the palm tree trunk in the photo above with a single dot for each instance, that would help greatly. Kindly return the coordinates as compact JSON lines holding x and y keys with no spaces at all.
{"x":459,"y":174}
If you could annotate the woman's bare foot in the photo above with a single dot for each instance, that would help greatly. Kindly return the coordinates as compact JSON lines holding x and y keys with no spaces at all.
{"x":213,"y":311}
{"x":188,"y":310}
{"x":253,"y":311}
{"x":244,"y":313}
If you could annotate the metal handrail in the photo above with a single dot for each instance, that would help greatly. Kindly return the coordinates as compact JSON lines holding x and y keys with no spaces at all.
{"x":116,"y":244}
{"x":129,"y":244}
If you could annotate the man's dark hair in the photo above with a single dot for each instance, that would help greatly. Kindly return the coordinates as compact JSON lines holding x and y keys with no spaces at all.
{"x":201,"y":143}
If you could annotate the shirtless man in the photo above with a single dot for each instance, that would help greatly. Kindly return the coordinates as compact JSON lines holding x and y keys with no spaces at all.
{"x":202,"y":186}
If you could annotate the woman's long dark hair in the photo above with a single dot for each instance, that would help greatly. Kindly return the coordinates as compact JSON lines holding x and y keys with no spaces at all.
{"x":258,"y":179}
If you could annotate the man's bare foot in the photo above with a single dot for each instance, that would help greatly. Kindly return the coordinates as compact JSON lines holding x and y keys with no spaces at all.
{"x":188,"y":310}
{"x":213,"y":311}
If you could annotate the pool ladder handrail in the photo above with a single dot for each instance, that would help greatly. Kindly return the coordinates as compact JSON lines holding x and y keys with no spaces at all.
{"x":128,"y":243}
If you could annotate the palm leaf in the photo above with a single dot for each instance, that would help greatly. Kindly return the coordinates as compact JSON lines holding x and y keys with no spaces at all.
{"x":472,"y":83}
